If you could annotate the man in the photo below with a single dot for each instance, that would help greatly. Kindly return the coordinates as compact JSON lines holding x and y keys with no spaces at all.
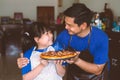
{"x":90,"y":41}
{"x":84,"y":38}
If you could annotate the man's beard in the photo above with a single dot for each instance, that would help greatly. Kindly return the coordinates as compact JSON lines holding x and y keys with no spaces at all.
{"x":73,"y":33}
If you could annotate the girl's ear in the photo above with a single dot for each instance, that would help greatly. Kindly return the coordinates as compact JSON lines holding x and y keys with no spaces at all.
{"x":36,"y":39}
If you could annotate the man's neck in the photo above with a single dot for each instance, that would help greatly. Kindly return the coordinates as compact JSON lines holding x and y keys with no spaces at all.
{"x":84,"y":32}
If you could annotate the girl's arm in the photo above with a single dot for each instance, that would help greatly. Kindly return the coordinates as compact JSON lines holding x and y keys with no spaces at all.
{"x":59,"y":68}
{"x":32,"y":74}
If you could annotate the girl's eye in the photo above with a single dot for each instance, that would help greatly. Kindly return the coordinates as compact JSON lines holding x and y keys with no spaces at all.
{"x":46,"y":33}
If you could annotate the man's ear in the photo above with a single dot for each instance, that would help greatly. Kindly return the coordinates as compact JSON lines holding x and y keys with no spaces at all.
{"x":84,"y":25}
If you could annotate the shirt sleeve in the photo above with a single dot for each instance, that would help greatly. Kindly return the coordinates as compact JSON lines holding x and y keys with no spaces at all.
{"x":27,"y":68}
{"x":62,"y":40}
{"x":101,"y":52}
{"x":57,"y":46}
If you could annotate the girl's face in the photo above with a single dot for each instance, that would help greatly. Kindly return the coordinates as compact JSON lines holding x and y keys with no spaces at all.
{"x":45,"y":40}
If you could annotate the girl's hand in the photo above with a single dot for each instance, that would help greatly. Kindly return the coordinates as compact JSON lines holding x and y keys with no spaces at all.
{"x":43,"y":62}
{"x":58,"y":62}
{"x":59,"y":67}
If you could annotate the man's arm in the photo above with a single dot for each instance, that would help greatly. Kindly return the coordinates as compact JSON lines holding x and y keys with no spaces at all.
{"x":86,"y":66}
{"x":89,"y":67}
{"x":22,"y":62}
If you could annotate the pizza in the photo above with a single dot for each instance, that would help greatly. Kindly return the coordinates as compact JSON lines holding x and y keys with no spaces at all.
{"x":58,"y":54}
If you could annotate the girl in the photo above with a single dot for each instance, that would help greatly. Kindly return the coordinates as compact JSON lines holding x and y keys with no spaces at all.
{"x":38,"y":69}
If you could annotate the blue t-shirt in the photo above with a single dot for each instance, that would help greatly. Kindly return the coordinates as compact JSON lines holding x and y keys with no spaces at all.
{"x":97,"y":46}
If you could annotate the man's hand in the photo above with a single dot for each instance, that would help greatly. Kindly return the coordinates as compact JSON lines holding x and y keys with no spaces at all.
{"x":22,"y":62}
{"x":72,"y":60}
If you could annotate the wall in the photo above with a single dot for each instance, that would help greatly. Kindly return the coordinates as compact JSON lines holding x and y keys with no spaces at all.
{"x":98,"y":5}
{"x":65,"y":5}
{"x":28,"y":7}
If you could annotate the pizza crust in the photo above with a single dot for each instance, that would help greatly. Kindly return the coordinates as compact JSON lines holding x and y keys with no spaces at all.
{"x":58,"y":55}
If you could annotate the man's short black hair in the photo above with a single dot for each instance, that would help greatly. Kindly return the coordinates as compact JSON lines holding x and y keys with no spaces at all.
{"x":80,"y":12}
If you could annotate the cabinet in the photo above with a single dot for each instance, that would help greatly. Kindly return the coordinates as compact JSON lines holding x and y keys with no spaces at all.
{"x":10,"y":29}
{"x":114,"y":54}
{"x":45,"y":14}
{"x":2,"y":47}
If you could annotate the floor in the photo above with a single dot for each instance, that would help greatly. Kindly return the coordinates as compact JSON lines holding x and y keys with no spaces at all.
{"x":8,"y":66}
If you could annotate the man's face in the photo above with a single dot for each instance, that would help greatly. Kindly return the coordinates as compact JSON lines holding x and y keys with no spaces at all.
{"x":72,"y":27}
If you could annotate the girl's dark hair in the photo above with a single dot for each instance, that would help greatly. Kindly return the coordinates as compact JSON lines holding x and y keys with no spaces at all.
{"x":80,"y":12}
{"x":36,"y":30}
